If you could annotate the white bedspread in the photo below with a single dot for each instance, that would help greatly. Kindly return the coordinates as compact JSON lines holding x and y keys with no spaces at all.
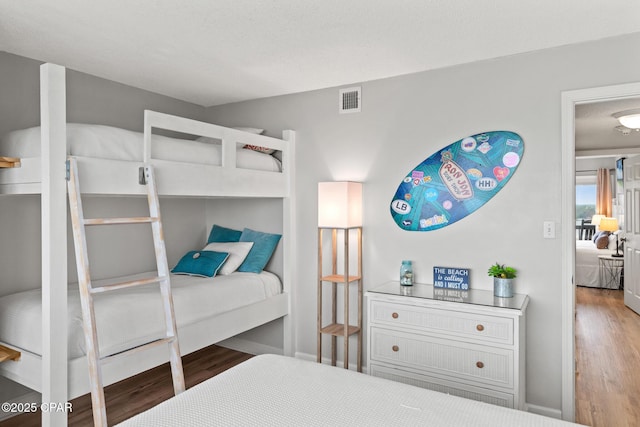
{"x":587,"y":263}
{"x":108,"y":142}
{"x":272,"y":390}
{"x":133,"y":316}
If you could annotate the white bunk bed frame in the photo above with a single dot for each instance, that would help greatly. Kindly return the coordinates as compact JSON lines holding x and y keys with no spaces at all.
{"x":60,"y":379}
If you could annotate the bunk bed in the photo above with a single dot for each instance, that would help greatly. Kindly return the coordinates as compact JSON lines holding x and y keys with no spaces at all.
{"x":52,"y":372}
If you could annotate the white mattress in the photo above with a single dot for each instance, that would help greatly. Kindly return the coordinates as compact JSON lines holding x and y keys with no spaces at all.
{"x":119,"y":144}
{"x":133,"y":316}
{"x":272,"y":390}
{"x":587,"y":263}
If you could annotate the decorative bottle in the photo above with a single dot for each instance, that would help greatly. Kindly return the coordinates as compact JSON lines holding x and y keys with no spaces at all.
{"x":406,"y":273}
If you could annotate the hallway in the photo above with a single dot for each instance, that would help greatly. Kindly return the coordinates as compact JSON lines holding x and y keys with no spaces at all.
{"x":607,"y":359}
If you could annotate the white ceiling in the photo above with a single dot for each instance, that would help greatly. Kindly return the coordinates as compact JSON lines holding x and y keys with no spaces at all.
{"x":212,"y":52}
{"x":596,"y":132}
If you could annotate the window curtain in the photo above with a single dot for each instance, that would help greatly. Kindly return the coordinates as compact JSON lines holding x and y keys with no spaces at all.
{"x":603,"y":193}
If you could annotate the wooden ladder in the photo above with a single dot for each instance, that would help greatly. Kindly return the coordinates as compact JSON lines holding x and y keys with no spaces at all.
{"x":87,"y":290}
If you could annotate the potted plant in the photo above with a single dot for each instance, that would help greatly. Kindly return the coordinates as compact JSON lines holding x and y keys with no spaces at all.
{"x":503,"y":278}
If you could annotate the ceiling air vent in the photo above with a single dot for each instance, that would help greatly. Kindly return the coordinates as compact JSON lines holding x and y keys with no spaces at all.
{"x":350,"y":100}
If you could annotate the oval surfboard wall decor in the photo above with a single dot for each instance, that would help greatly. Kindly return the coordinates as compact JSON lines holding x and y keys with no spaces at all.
{"x":456,"y":180}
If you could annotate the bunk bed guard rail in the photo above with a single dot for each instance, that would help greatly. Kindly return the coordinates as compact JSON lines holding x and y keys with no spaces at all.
{"x":229,"y":137}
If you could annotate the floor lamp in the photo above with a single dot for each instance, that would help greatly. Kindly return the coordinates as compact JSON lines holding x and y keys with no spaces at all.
{"x":340,"y":212}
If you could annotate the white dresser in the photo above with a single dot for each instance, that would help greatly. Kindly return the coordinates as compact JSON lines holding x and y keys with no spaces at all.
{"x":465,"y":343}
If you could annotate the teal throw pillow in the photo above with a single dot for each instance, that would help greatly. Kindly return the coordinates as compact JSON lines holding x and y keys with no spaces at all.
{"x":200,"y":263}
{"x":220,"y":234}
{"x":264,"y":244}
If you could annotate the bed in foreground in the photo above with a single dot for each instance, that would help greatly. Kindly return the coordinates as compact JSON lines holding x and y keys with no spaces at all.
{"x":272,"y":390}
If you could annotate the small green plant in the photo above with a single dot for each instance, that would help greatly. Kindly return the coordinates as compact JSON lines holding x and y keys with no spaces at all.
{"x":501,"y":271}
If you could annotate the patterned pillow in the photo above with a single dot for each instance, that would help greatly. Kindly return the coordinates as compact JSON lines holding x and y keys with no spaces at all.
{"x":602,"y":242}
{"x":260,"y":149}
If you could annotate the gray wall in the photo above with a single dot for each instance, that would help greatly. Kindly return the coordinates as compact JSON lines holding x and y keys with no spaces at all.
{"x":404,"y":120}
{"x":589,"y":166}
{"x":89,"y":100}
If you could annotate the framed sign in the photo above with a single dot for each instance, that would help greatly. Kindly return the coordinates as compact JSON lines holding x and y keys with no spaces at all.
{"x":451,"y":278}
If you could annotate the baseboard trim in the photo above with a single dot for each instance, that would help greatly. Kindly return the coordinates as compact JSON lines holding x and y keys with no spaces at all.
{"x":305,"y":356}
{"x":30,"y":397}
{"x":251,"y":347}
{"x":327,"y":361}
{"x":543,"y":410}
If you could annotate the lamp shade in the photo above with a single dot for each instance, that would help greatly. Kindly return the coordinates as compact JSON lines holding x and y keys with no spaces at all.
{"x":595,"y":220}
{"x":339,"y":204}
{"x":609,"y":224}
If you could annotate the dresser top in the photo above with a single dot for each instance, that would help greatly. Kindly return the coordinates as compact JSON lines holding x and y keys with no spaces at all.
{"x":472,"y":296}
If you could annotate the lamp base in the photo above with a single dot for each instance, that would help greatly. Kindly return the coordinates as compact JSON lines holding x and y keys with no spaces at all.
{"x":618,"y":254}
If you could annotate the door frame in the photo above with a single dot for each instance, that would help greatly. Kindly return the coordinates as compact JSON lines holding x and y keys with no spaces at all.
{"x":569,"y":99}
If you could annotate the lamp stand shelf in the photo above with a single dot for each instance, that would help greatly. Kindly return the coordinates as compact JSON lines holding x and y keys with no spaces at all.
{"x":9,"y":162}
{"x":335,"y":329}
{"x":7,"y":353}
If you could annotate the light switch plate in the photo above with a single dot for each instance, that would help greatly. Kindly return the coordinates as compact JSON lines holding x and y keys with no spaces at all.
{"x":549,"y":230}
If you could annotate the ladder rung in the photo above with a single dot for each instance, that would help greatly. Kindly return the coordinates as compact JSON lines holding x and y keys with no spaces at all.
{"x":110,"y":221}
{"x":147,"y":346}
{"x":86,"y":289}
{"x":128,"y":284}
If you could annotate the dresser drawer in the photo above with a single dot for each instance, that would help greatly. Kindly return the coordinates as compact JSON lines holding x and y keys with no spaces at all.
{"x":442,"y":385}
{"x":445,"y":357}
{"x":457,"y":323}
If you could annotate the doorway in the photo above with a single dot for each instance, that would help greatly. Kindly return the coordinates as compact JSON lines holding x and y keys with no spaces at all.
{"x":569,"y":100}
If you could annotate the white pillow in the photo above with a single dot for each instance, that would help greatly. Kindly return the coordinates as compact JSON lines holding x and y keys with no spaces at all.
{"x":237,"y":251}
{"x":250,"y":130}
{"x":217,"y":141}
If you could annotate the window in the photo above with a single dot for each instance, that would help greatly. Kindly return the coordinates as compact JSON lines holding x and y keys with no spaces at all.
{"x":585,"y":197}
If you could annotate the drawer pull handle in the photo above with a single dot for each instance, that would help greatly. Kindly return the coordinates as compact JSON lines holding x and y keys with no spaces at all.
{"x":480,"y":327}
{"x":480,"y":365}
{"x":394,"y":315}
{"x":395,"y":348}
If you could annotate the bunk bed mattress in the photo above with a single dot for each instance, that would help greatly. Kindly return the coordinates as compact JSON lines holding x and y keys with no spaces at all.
{"x":133,"y":316}
{"x":113,"y":143}
{"x":272,"y":390}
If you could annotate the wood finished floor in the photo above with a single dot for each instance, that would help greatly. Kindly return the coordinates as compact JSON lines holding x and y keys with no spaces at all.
{"x":143,"y":391}
{"x":607,"y":359}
